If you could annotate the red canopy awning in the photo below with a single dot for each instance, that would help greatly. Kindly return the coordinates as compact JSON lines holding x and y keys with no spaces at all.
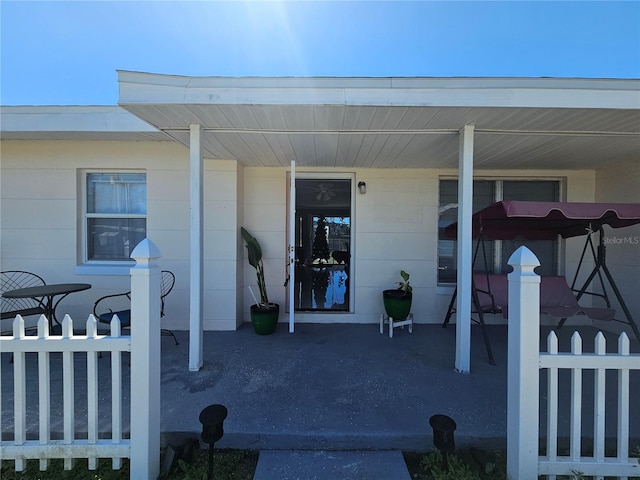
{"x":508,"y":220}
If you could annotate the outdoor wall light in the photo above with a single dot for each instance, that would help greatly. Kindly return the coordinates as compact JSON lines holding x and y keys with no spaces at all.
{"x":362,"y":186}
{"x":212,"y":420}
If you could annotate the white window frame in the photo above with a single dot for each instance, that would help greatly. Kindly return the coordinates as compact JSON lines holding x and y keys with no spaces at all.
{"x":85,"y":265}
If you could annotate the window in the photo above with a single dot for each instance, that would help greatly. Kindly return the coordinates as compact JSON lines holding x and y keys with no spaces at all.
{"x":496,"y":253}
{"x":115,"y":215}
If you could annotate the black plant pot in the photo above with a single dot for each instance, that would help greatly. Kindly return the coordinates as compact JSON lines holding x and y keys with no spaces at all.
{"x":397,"y":304}
{"x":265,"y":319}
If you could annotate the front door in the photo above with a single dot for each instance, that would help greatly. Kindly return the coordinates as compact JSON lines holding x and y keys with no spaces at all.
{"x":322,"y":244}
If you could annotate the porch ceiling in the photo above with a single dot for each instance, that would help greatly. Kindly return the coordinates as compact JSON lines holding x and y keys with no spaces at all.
{"x":395,"y":123}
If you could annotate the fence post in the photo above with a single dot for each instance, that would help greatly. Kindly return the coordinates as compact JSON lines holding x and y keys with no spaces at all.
{"x":145,"y":362}
{"x":522,"y":366}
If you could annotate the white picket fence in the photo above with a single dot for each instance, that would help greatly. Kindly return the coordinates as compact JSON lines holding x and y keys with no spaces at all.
{"x":69,"y":447}
{"x":525,"y":363}
{"x":598,"y":464}
{"x":143,"y":445}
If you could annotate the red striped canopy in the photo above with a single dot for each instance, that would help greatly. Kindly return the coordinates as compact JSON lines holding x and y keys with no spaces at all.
{"x":508,"y":220}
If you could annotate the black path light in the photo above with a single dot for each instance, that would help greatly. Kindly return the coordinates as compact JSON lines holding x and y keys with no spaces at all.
{"x":212,"y":419}
{"x":443,"y":428}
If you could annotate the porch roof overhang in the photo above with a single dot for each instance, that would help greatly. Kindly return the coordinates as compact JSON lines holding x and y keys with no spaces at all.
{"x":520,"y":123}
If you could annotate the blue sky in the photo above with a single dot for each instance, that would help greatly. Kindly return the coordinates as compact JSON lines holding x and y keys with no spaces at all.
{"x":67,"y":53}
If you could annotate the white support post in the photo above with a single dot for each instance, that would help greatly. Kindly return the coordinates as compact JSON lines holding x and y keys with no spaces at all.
{"x":68,"y":391}
{"x":523,"y":374}
{"x":464,"y":250}
{"x":19,"y":393}
{"x":145,"y":362}
{"x":44,"y":390}
{"x":292,"y":248}
{"x":196,"y":243}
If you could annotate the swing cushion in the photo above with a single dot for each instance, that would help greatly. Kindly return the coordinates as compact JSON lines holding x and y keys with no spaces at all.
{"x":493,"y":292}
{"x":556,"y":298}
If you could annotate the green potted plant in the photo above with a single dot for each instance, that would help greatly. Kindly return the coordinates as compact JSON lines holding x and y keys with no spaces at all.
{"x":264,"y":314}
{"x":397,"y":302}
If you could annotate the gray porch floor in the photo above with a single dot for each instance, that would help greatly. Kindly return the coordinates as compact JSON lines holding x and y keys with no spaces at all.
{"x":336,"y":387}
{"x":329,"y":387}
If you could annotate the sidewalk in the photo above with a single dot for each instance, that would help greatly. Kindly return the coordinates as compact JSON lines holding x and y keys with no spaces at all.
{"x":331,"y":465}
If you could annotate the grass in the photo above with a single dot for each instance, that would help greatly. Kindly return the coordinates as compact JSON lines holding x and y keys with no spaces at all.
{"x":56,"y":471}
{"x":228,"y":465}
{"x":470,"y":464}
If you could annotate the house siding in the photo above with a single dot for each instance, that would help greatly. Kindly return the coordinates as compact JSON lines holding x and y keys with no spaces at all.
{"x":41,"y":222}
{"x":394,"y":226}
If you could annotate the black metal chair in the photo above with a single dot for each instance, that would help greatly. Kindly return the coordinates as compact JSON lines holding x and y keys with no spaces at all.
{"x":106,"y":304}
{"x":10,"y":307}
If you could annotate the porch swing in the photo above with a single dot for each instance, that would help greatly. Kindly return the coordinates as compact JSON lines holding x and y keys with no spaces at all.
{"x":508,"y":220}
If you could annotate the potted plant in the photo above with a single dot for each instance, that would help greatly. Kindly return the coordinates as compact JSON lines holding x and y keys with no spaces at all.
{"x":264,"y":314}
{"x":397,"y":302}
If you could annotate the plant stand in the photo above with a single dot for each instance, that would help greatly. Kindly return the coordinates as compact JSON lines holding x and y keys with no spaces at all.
{"x":384,"y":318}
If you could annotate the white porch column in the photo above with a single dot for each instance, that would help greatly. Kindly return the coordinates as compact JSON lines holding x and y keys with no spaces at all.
{"x":292,"y":247}
{"x":196,"y":254}
{"x":464,"y":249}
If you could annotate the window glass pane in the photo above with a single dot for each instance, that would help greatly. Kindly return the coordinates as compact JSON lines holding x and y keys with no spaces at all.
{"x":531,"y":190}
{"x":114,"y":238}
{"x":339,"y":232}
{"x":117,"y":193}
{"x":545,"y":250}
{"x":448,"y":214}
{"x":483,"y":196}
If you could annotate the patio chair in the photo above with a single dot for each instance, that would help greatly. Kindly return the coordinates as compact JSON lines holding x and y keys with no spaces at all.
{"x":10,"y":307}
{"x":103,"y":308}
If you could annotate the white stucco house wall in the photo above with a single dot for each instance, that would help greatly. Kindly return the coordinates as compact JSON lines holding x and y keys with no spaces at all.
{"x":403,"y":137}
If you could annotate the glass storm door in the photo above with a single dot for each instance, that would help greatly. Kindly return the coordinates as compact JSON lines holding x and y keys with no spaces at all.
{"x":322,"y":244}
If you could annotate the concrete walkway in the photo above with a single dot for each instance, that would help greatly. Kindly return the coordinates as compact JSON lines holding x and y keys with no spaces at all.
{"x":331,"y":465}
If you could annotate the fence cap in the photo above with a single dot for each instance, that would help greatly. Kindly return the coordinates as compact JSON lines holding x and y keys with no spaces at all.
{"x":146,"y":250}
{"x":523,"y":257}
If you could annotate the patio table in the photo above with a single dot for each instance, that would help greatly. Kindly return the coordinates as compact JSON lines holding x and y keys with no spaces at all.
{"x":45,"y":294}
